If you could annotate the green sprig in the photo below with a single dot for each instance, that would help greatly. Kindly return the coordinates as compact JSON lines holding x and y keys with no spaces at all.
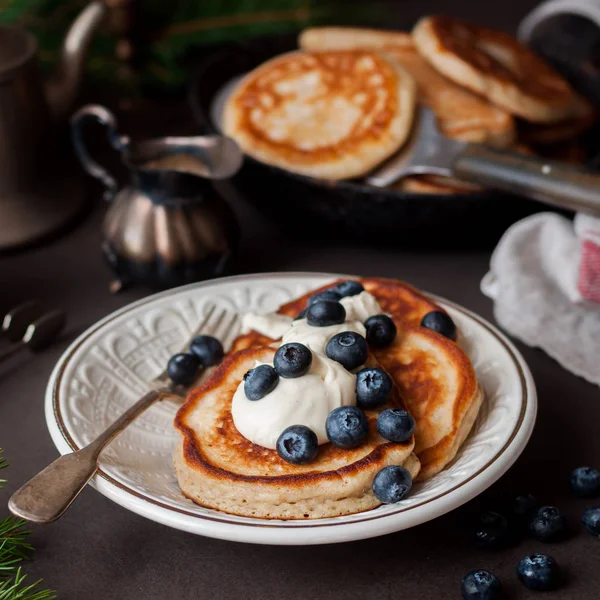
{"x":15,"y":589}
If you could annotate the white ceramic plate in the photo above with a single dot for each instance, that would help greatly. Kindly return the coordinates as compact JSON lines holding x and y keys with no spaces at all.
{"x":106,"y":368}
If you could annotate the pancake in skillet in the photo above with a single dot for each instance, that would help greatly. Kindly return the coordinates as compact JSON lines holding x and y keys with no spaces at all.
{"x":461,"y":114}
{"x":331,"y":115}
{"x":435,"y":377}
{"x":219,"y":468}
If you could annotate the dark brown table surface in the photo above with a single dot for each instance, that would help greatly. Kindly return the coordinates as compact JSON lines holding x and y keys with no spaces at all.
{"x":99,"y":550}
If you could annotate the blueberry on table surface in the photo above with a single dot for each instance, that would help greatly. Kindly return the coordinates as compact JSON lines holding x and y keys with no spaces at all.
{"x":489,"y":531}
{"x":325,"y":313}
{"x":298,"y":445}
{"x":260,"y":381}
{"x":585,"y":482}
{"x":347,"y":427}
{"x":392,"y":484}
{"x":481,"y":585}
{"x":538,"y":572}
{"x":548,"y":524}
{"x":208,"y":349}
{"x":292,"y":360}
{"x":373,"y":387}
{"x":441,"y":322}
{"x":348,"y":348}
{"x":395,"y":425}
{"x":325,"y":296}
{"x":349,"y":288}
{"x":523,"y":505}
{"x":183,"y":368}
{"x":381,"y":331}
{"x":591,"y":520}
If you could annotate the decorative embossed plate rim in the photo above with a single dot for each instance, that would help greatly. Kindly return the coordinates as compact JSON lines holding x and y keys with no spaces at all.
{"x":522,"y":404}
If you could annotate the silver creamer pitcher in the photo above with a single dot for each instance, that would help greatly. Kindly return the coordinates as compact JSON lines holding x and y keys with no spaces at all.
{"x":37,"y":193}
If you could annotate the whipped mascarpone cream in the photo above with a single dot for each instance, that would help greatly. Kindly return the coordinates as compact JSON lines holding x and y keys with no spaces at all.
{"x":309,"y":399}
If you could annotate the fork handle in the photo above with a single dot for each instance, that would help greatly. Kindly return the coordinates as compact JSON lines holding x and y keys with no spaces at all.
{"x":47,"y":496}
{"x":556,"y":183}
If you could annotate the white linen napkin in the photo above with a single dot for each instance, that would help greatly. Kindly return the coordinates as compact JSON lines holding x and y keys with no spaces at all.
{"x":545,"y":282}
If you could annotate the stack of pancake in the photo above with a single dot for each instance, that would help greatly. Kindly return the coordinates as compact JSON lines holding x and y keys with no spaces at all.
{"x":345,"y":102}
{"x":433,"y":378}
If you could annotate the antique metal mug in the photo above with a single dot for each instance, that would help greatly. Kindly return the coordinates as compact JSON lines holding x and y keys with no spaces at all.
{"x":37,"y":193}
{"x":169,"y":225}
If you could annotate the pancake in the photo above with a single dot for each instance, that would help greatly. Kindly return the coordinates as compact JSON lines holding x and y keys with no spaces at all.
{"x":434,"y":184}
{"x":219,"y":468}
{"x":332,"y":115}
{"x":494,"y":64}
{"x":435,"y":377}
{"x":461,"y":114}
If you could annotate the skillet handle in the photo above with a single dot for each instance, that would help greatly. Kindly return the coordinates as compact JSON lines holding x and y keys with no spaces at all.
{"x":567,"y":186}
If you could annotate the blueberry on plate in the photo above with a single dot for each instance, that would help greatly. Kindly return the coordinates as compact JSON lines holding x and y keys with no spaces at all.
{"x":381,"y":331}
{"x":348,"y":288}
{"x":591,"y":520}
{"x":208,"y":349}
{"x":348,"y":348}
{"x":373,"y":387}
{"x":292,"y":360}
{"x":324,"y":313}
{"x":538,"y":572}
{"x":298,"y":445}
{"x":183,"y":368}
{"x":260,"y":381}
{"x":301,"y":314}
{"x":523,"y":505}
{"x":325,"y":296}
{"x":481,"y":585}
{"x":489,"y":531}
{"x":585,"y":482}
{"x":347,"y":427}
{"x":392,"y":484}
{"x":441,"y":322}
{"x":548,"y":524}
{"x":395,"y":425}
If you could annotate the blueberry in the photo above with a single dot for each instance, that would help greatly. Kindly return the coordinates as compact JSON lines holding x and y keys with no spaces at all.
{"x":325,"y":296}
{"x":591,"y":520}
{"x":373,"y":387}
{"x":324,"y":313}
{"x":489,"y":531}
{"x":347,"y":427}
{"x":441,"y":322}
{"x":547,"y":524}
{"x":348,"y":348}
{"x":301,"y":315}
{"x":208,"y":349}
{"x":183,"y":368}
{"x":391,"y":484}
{"x":585,"y":482}
{"x":538,"y":572}
{"x":292,"y":360}
{"x":523,"y":505}
{"x":349,"y":288}
{"x":381,"y":331}
{"x":298,"y":445}
{"x":481,"y":585}
{"x":395,"y":425}
{"x":260,"y":381}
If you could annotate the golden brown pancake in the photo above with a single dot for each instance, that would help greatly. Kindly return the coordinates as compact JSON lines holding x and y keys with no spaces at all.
{"x":435,"y":377}
{"x":332,"y":115}
{"x":492,"y":63}
{"x":461,"y":114}
{"x":219,"y":468}
{"x":434,"y":184}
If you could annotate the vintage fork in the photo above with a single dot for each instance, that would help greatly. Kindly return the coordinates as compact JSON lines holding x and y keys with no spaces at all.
{"x":47,"y":496}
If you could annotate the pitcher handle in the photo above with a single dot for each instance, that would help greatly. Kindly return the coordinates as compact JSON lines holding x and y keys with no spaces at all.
{"x":97,"y":114}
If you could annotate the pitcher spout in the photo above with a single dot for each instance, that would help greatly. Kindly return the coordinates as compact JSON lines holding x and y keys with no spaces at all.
{"x":63,"y":85}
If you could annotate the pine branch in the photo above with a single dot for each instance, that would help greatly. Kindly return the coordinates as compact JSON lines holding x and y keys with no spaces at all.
{"x":15,"y":589}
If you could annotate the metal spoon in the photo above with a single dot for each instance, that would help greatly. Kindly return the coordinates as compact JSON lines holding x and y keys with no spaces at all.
{"x":15,"y":322}
{"x":39,"y":334}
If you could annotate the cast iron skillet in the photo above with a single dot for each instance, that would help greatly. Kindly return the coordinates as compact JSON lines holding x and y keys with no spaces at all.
{"x":350,"y":210}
